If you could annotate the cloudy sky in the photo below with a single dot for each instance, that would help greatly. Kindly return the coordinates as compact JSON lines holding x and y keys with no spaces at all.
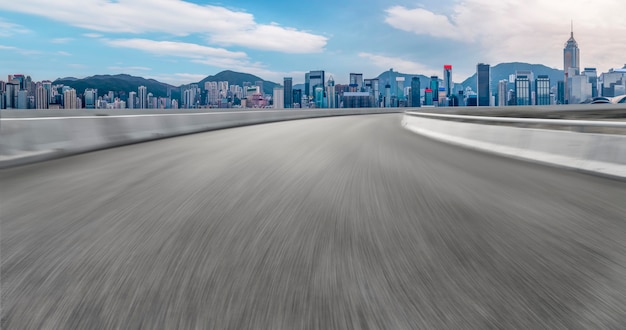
{"x":182,"y":41}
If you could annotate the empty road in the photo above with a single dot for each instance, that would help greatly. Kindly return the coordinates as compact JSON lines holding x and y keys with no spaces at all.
{"x":331,"y":223}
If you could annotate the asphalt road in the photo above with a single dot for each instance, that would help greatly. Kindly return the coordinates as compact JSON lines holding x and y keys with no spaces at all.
{"x":332,"y":223}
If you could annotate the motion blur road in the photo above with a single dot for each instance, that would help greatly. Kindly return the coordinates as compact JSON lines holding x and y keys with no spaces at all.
{"x":332,"y":223}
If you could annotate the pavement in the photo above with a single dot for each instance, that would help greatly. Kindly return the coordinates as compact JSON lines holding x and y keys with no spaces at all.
{"x":330,"y":223}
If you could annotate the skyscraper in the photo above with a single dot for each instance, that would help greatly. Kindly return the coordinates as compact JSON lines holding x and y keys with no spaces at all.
{"x":288,"y":90}
{"x":69,"y":99}
{"x":316,"y":78}
{"x":592,"y":76}
{"x":571,"y":59}
{"x":331,"y":95}
{"x":483,"y":84}
{"x":142,"y":97}
{"x":132,"y":100}
{"x":447,"y":79}
{"x":502,"y":92}
{"x":279,"y":98}
{"x":90,"y":98}
{"x":542,"y":90}
{"x":434,"y":87}
{"x":41,"y":97}
{"x":356,"y":80}
{"x":416,"y":95}
{"x":522,"y":88}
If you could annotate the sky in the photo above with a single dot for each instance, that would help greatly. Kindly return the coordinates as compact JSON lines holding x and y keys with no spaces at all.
{"x":183,"y":41}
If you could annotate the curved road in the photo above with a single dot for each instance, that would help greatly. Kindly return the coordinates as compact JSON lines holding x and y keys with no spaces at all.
{"x":332,"y":223}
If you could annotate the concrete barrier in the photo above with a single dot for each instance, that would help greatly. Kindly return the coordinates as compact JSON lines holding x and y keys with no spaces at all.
{"x":603,"y":154}
{"x":31,"y":139}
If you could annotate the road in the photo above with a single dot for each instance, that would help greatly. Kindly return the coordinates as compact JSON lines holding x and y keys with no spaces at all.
{"x":331,"y":223}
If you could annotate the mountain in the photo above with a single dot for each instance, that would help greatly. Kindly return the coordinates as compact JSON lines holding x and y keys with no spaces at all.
{"x":121,"y":84}
{"x":503,"y":70}
{"x":238,"y":78}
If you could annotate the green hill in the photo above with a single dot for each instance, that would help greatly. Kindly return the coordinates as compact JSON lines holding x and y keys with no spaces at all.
{"x":121,"y":84}
{"x":238,"y":78}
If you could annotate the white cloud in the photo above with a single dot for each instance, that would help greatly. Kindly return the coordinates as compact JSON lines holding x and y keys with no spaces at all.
{"x":19,"y":50}
{"x":217,"y":57}
{"x":61,"y":40}
{"x":174,"y":17}
{"x":272,"y":37}
{"x":92,"y":35}
{"x":398,"y":64}
{"x":8,"y":29}
{"x":63,"y":53}
{"x":174,"y":48}
{"x":530,"y":31}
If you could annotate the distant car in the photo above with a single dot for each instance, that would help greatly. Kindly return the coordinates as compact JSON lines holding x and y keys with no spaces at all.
{"x":600,"y":100}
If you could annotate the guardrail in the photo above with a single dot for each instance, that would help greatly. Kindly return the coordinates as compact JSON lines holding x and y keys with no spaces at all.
{"x":538,"y":121}
{"x":596,"y":152}
{"x":27,"y":140}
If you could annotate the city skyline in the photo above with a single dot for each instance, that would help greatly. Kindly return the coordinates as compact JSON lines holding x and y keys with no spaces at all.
{"x":180,"y":42}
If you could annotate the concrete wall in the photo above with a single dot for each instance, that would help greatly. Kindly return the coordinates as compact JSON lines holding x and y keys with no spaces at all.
{"x":598,"y":153}
{"x":27,"y":136}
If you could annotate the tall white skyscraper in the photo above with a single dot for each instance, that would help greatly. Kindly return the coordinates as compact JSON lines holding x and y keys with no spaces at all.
{"x":132,"y":100}
{"x":142,"y":97}
{"x":279,"y":98}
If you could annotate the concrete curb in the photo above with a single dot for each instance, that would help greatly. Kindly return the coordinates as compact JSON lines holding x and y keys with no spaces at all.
{"x":601,"y":154}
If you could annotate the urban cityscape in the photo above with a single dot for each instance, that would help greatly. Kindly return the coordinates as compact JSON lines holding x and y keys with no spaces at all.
{"x":523,"y":88}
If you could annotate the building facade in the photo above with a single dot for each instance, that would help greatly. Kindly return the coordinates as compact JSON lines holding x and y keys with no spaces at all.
{"x":483,"y":84}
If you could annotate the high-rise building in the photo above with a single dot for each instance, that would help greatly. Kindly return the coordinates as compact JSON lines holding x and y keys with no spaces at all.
{"x":483,"y":84}
{"x":560,"y":92}
{"x":428,"y":96}
{"x":298,"y":98}
{"x":613,"y":83}
{"x":331,"y":94}
{"x":356,"y":80}
{"x":571,"y":59}
{"x":10,"y":94}
{"x":416,"y":95}
{"x":388,"y":103}
{"x":142,"y":97}
{"x":580,"y":89}
{"x":319,"y":97}
{"x":132,"y":100}
{"x":316,"y":78}
{"x":288,"y":91}
{"x":434,"y":87}
{"x":307,"y":84}
{"x":41,"y":97}
{"x":592,"y":76}
{"x":447,"y":79}
{"x":69,"y":99}
{"x":22,"y":99}
{"x":542,"y":90}
{"x":400,"y":89}
{"x":522,"y":88}
{"x":279,"y":98}
{"x":372,"y":86}
{"x":91,"y":95}
{"x":503,"y":92}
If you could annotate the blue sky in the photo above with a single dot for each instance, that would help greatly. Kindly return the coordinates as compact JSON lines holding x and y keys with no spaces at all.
{"x":178,"y":41}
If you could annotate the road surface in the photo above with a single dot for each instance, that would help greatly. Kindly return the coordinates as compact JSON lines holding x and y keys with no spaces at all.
{"x":331,"y":223}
